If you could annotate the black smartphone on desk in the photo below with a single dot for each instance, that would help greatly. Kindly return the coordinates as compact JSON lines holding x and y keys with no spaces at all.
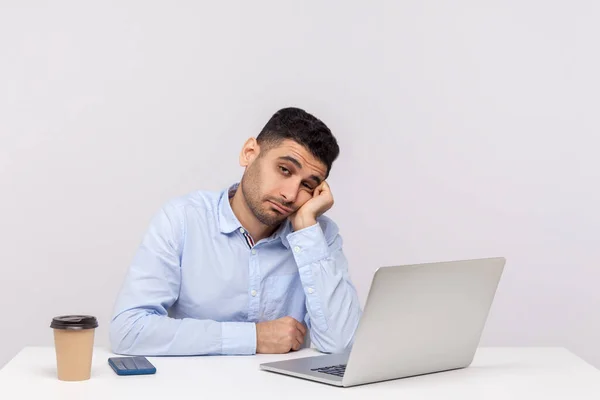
{"x":136,"y":365}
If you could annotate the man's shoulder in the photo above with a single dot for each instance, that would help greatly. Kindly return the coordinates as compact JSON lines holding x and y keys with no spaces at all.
{"x":199,"y":199}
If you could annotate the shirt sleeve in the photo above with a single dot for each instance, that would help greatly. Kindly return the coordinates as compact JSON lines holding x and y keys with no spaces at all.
{"x":140,"y":323}
{"x":333,"y":307}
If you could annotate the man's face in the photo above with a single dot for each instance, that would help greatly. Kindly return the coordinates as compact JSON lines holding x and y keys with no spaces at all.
{"x":278,"y":181}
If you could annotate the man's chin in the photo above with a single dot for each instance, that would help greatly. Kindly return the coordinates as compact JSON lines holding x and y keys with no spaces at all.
{"x":273,"y":220}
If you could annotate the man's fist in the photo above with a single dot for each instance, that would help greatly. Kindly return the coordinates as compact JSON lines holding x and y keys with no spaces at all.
{"x":279,"y":336}
{"x":321,"y":201}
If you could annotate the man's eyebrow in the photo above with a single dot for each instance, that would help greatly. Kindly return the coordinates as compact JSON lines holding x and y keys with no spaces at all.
{"x":292,"y":160}
{"x":299,"y":166}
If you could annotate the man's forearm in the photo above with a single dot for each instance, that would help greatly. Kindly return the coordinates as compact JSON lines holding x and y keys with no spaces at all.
{"x":332,"y":302}
{"x":138,"y":332}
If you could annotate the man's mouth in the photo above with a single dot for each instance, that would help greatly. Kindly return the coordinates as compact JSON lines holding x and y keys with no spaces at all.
{"x":280,"y":208}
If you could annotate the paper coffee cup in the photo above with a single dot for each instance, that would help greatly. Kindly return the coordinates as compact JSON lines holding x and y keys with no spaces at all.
{"x":74,"y":345}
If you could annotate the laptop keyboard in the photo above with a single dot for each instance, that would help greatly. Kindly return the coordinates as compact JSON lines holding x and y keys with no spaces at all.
{"x":337,"y":370}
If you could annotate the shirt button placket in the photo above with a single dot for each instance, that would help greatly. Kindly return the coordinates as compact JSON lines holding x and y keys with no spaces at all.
{"x":254,"y":291}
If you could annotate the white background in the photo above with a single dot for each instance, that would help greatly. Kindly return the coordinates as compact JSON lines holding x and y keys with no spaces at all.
{"x":467,"y":129}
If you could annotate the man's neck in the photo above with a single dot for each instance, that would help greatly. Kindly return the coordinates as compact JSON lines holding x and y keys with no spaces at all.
{"x":255,"y":228}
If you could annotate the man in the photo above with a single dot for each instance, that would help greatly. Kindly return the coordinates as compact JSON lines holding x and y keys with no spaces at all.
{"x":249,"y":269}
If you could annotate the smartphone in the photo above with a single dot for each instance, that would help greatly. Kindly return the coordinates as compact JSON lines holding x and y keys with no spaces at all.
{"x":136,"y":365}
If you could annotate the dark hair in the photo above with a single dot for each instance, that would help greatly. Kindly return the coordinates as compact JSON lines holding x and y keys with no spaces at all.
{"x":303,"y":128}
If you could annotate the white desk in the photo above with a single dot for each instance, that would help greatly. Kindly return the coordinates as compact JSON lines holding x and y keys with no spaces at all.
{"x":496,"y":373}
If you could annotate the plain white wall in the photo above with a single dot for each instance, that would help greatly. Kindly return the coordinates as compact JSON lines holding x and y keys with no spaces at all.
{"x":467,"y":128}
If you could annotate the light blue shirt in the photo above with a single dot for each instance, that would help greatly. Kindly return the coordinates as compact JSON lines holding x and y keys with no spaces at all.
{"x":198,"y":286}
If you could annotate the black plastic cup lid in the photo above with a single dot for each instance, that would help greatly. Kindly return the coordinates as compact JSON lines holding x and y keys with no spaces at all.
{"x":74,"y":322}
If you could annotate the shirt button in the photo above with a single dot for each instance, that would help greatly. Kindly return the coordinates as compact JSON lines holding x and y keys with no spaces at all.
{"x":253,"y":251}
{"x":297,"y":249}
{"x":242,"y":230}
{"x":311,"y":290}
{"x":253,"y":293}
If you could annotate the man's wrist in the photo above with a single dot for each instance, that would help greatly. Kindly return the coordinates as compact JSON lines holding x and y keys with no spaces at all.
{"x":258,"y":349}
{"x":303,"y":221}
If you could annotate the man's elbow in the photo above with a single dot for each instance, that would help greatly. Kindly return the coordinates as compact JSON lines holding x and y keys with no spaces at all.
{"x":117,"y":340}
{"x":332,"y":349}
{"x":122,"y":336}
{"x":334,"y":344}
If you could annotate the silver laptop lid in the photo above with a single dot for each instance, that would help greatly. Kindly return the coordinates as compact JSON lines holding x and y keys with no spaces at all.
{"x":422,"y":318}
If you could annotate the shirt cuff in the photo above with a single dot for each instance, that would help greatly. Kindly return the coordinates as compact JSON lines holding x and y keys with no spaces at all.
{"x":238,"y":338}
{"x":308,"y":245}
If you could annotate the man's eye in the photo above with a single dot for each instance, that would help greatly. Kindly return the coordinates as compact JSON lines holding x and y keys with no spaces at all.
{"x":306,"y":185}
{"x":284,"y":170}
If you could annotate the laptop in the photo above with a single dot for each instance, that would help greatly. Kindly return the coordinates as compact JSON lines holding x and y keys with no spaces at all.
{"x":418,"y":319}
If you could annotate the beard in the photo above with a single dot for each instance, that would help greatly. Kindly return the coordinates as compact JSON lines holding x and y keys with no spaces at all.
{"x":251,"y":183}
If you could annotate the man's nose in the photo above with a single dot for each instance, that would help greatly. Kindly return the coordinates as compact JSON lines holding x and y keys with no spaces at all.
{"x":289,"y":191}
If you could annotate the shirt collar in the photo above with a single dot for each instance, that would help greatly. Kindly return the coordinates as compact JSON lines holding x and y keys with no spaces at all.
{"x":228,"y":222}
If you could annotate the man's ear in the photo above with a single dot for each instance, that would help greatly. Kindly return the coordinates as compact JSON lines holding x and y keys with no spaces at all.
{"x":250,"y":152}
